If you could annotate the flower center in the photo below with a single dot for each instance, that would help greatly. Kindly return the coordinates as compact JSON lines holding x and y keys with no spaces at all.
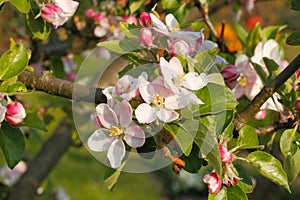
{"x":115,"y":131}
{"x":175,"y":27}
{"x":158,"y":100}
{"x":243,"y":81}
{"x":179,"y":79}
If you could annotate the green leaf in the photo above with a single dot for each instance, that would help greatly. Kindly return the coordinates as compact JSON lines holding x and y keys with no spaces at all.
{"x":269,"y":167}
{"x":293,"y":39}
{"x":170,"y":4}
{"x":295,"y":4}
{"x":39,"y":28}
{"x":208,"y":146}
{"x":216,"y":78}
{"x":247,"y":137}
{"x":120,"y":46}
{"x":22,"y":5}
{"x":147,"y":151}
{"x":272,"y":66}
{"x":287,"y":146}
{"x":291,"y":166}
{"x":135,"y":5}
{"x":12,"y":144}
{"x":260,"y":72}
{"x":111,"y":176}
{"x":192,"y":162}
{"x":246,"y":182}
{"x":32,"y":120}
{"x":221,"y":195}
{"x":216,"y":98}
{"x":57,"y":67}
{"x":130,"y":30}
{"x":235,"y":192}
{"x":241,"y":33}
{"x":13,"y":61}
{"x":15,"y":88}
{"x":270,"y":32}
{"x":204,"y":61}
{"x":254,"y":37}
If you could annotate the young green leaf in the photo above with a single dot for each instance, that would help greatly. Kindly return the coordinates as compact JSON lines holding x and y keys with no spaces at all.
{"x":120,"y":46}
{"x":13,"y":61}
{"x":12,"y":144}
{"x":291,"y":166}
{"x":22,"y":5}
{"x":33,"y":121}
{"x":241,"y":33}
{"x":39,"y":28}
{"x":192,"y":162}
{"x":221,"y":195}
{"x":269,"y":167}
{"x":111,"y":176}
{"x":293,"y":39}
{"x":135,"y":5}
{"x":247,"y":138}
{"x":287,"y":146}
{"x":235,"y":192}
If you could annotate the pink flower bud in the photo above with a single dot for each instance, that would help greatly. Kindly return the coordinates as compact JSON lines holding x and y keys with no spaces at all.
{"x":230,"y":178}
{"x":15,"y":113}
{"x":213,"y":182}
{"x":297,"y":105}
{"x":98,"y":17}
{"x":179,"y":46}
{"x":261,"y":115}
{"x":51,"y":13}
{"x":226,"y":156}
{"x":230,"y":74}
{"x":90,"y":13}
{"x":146,"y":37}
{"x":145,"y":19}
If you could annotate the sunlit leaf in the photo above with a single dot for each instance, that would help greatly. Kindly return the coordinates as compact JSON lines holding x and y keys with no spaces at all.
{"x":269,"y":167}
{"x":22,"y":5}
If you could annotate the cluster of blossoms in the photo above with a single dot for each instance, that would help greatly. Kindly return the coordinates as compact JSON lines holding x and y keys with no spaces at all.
{"x":229,"y":175}
{"x":13,"y":113}
{"x":59,"y":11}
{"x":243,"y":79}
{"x":159,"y":98}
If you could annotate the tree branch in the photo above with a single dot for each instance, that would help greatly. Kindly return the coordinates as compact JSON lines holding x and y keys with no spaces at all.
{"x":249,"y":112}
{"x":43,"y":163}
{"x":47,"y":83}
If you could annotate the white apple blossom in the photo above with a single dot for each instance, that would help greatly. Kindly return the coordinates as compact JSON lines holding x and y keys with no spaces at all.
{"x":160,"y":102}
{"x":182,"y":83}
{"x":117,"y":126}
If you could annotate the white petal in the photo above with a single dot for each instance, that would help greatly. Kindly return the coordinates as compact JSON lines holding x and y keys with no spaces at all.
{"x":172,"y":23}
{"x":68,"y":6}
{"x":100,"y":140}
{"x":194,"y":99}
{"x":100,"y":31}
{"x":146,"y":90}
{"x":116,"y":153}
{"x":125,"y":114}
{"x":2,"y":112}
{"x":171,"y":71}
{"x":159,"y":25}
{"x":145,"y":114}
{"x":167,"y":115}
{"x":106,"y":115}
{"x":134,"y":136}
{"x":193,"y":81}
{"x":176,"y":102}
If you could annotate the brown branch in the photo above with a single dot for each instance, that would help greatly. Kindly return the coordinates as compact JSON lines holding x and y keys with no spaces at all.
{"x":43,"y":163}
{"x":263,"y":131}
{"x":249,"y":112}
{"x":204,"y":12}
{"x":47,"y":83}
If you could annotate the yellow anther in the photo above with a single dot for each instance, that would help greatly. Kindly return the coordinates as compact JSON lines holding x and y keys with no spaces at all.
{"x":243,"y":81}
{"x":115,"y":131}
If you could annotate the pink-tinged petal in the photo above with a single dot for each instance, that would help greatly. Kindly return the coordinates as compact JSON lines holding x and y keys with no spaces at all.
{"x":239,"y":91}
{"x":106,"y":115}
{"x":251,"y":90}
{"x":261,"y":115}
{"x":100,"y":31}
{"x":159,"y":25}
{"x":68,"y":6}
{"x":226,"y":156}
{"x":145,"y":114}
{"x":180,"y":46}
{"x":171,"y":70}
{"x":167,"y":115}
{"x":100,"y":140}
{"x":134,"y":136}
{"x":194,"y":81}
{"x":116,"y":153}
{"x":146,"y":90}
{"x":2,"y":112}
{"x":125,"y":114}
{"x":172,"y":23}
{"x":213,"y":182}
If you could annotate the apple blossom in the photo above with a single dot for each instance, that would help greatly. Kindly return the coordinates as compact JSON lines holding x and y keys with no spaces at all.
{"x":230,"y":74}
{"x":131,"y":19}
{"x":213,"y":182}
{"x":248,"y":83}
{"x":90,"y":13}
{"x":182,"y":83}
{"x":98,"y":17}
{"x":145,"y":19}
{"x":146,"y":37}
{"x":15,"y":113}
{"x":226,"y":156}
{"x":179,"y":46}
{"x":261,"y":115}
{"x":59,"y":12}
{"x":229,"y":177}
{"x":117,"y":126}
{"x":158,"y":98}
